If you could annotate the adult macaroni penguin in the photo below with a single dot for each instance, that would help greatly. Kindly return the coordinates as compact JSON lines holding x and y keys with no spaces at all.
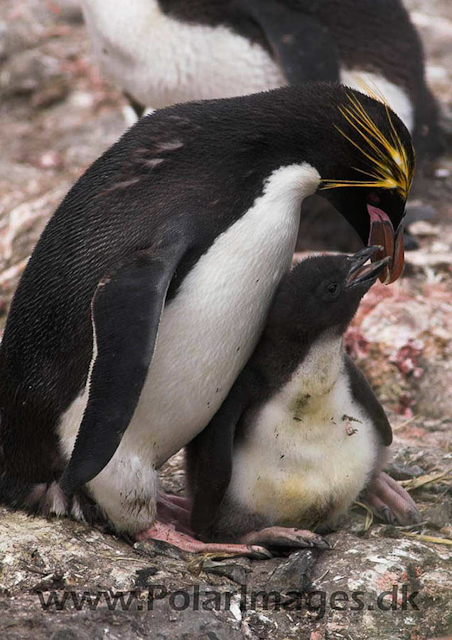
{"x":150,"y":285}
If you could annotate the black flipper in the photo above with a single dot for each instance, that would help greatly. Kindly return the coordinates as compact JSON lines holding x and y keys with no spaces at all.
{"x":364,"y":395}
{"x":126,"y":311}
{"x":209,"y":459}
{"x":301,"y":44}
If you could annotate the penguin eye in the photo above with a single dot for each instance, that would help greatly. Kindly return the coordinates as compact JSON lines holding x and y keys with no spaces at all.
{"x":332,"y":290}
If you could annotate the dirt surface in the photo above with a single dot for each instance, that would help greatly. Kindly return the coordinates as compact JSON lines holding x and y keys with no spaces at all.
{"x":56,"y":116}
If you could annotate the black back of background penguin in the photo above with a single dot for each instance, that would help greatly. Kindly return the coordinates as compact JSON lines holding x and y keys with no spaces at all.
{"x":301,"y":432}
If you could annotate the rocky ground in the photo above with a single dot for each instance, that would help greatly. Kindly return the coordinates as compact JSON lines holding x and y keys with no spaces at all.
{"x":56,"y":116}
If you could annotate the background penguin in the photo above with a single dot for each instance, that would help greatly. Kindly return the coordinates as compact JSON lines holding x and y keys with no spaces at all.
{"x":183,"y":228}
{"x":301,"y":433}
{"x":166,"y":51}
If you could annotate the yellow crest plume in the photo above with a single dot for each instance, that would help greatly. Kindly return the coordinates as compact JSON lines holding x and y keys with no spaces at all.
{"x":391,"y":167}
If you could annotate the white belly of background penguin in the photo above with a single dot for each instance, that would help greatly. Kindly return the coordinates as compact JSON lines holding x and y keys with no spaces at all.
{"x":160,"y":60}
{"x":192,"y":370}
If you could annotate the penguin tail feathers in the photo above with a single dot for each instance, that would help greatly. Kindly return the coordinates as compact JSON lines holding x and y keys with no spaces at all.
{"x":48,"y":500}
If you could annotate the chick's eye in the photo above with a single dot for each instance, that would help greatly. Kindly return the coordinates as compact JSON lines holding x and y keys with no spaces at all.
{"x":332,"y":288}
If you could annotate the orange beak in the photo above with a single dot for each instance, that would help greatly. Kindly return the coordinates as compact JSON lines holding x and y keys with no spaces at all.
{"x":382,"y":233}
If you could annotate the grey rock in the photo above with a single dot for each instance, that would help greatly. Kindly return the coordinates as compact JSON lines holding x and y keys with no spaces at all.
{"x":295,"y":572}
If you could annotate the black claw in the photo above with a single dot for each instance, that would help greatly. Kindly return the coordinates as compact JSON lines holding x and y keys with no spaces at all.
{"x":388,"y":516}
{"x":321,"y":543}
{"x":324,"y":544}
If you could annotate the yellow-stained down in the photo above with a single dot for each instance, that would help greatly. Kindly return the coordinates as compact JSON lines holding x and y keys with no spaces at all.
{"x":392,"y":169}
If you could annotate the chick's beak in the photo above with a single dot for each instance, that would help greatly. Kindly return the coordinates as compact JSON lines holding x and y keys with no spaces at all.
{"x":361,"y":273}
{"x":382,"y":233}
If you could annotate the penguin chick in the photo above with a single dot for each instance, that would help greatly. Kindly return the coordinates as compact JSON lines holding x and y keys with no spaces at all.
{"x":301,"y":433}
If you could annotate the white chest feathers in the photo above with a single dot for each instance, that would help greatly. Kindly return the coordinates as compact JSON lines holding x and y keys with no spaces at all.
{"x":309,"y":450}
{"x":206,"y":335}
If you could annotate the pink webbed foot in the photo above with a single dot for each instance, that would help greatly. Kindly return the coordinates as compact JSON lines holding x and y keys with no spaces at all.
{"x":181,"y":501}
{"x":391,"y":501}
{"x":285,"y":537}
{"x":167,"y":533}
{"x":174,"y":510}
